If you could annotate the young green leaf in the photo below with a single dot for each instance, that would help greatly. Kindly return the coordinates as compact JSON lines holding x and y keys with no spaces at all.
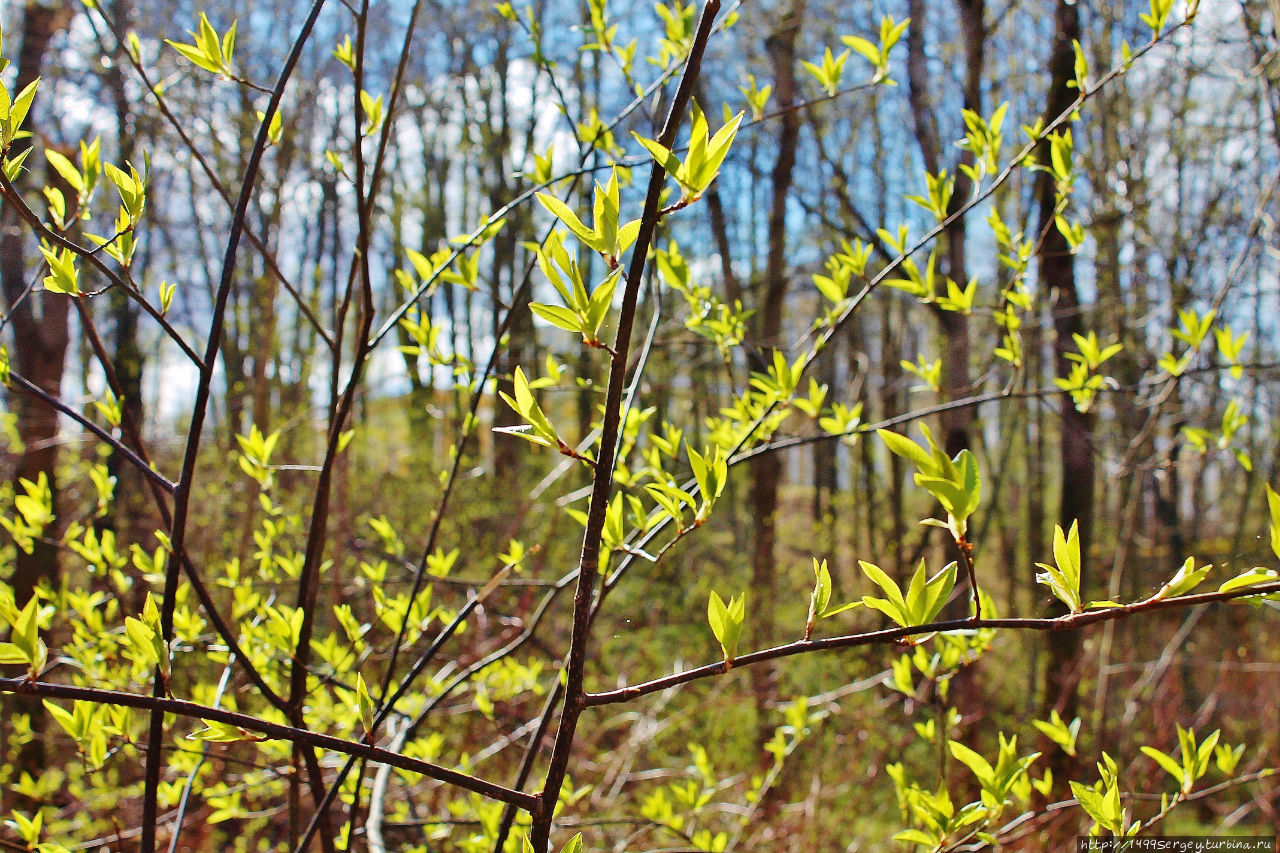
{"x":1226,"y":758}
{"x":902,"y":446}
{"x":12,"y":653}
{"x":63,"y":276}
{"x":13,"y":114}
{"x":726,"y":622}
{"x":26,"y":629}
{"x":757,"y":96}
{"x":1273,"y":506}
{"x":364,"y":705}
{"x":1060,"y":732}
{"x":538,"y":430}
{"x":979,"y":766}
{"x":894,"y":606}
{"x":1187,"y":578}
{"x":711,"y":472}
{"x":820,"y":600}
{"x":1172,"y":767}
{"x":923,"y":600}
{"x":1063,"y":579}
{"x":606,"y":236}
{"x":1103,"y":806}
{"x":217,"y":732}
{"x":828,"y":71}
{"x":66,"y":170}
{"x":207,"y":49}
{"x":565,"y":214}
{"x":1256,"y":576}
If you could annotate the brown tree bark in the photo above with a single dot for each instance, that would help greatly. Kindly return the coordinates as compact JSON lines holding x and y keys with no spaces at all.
{"x":766,"y":469}
{"x":39,"y":320}
{"x":39,"y":324}
{"x":1057,"y":278}
{"x":127,"y":358}
{"x":956,"y":379}
{"x":509,"y":298}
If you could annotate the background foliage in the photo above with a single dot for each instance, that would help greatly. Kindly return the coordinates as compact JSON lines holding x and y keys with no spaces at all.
{"x":397,"y":459}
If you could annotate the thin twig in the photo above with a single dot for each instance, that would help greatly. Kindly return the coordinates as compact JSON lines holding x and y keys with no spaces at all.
{"x":199,"y":412}
{"x":1070,"y":621}
{"x":610,"y":429}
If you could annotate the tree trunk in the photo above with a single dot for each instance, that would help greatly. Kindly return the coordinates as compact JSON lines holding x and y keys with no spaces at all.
{"x":956,"y":379}
{"x":766,"y":469}
{"x":127,"y":357}
{"x":1057,"y":278}
{"x":39,"y":324}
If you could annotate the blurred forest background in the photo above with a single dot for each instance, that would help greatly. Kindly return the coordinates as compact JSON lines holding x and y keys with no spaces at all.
{"x":1164,"y":456}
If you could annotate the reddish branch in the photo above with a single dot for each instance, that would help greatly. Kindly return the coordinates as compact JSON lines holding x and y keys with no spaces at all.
{"x":533,"y":802}
{"x":1067,"y":622}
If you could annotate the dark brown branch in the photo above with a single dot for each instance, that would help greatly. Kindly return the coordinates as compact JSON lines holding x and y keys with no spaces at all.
{"x":14,"y":199}
{"x":28,"y":387}
{"x":610,"y":430}
{"x":1068,"y":622}
{"x":271,"y":731}
{"x":199,"y":412}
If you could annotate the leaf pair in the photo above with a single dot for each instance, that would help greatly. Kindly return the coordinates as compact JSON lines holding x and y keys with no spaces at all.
{"x":85,"y":723}
{"x":208,"y":50}
{"x":580,"y":312}
{"x":726,"y":622}
{"x":829,"y":70}
{"x":81,"y":179}
{"x":878,"y":55}
{"x":702,"y":161}
{"x":929,"y":371}
{"x":923,"y":600}
{"x":605,"y":236}
{"x":573,"y":845}
{"x":1105,"y":807}
{"x":953,"y":482}
{"x":1187,"y":578}
{"x":144,"y":641}
{"x":63,"y":276}
{"x":711,"y":471}
{"x":779,"y":382}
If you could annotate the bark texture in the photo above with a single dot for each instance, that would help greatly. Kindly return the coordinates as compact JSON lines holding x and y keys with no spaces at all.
{"x":39,"y":335}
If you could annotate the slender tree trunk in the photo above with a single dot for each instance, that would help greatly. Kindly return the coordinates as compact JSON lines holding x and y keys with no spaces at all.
{"x":956,"y":378}
{"x":766,"y":469}
{"x":40,"y":336}
{"x":825,"y":459}
{"x":127,"y":357}
{"x":957,"y":381}
{"x":1057,"y":277}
